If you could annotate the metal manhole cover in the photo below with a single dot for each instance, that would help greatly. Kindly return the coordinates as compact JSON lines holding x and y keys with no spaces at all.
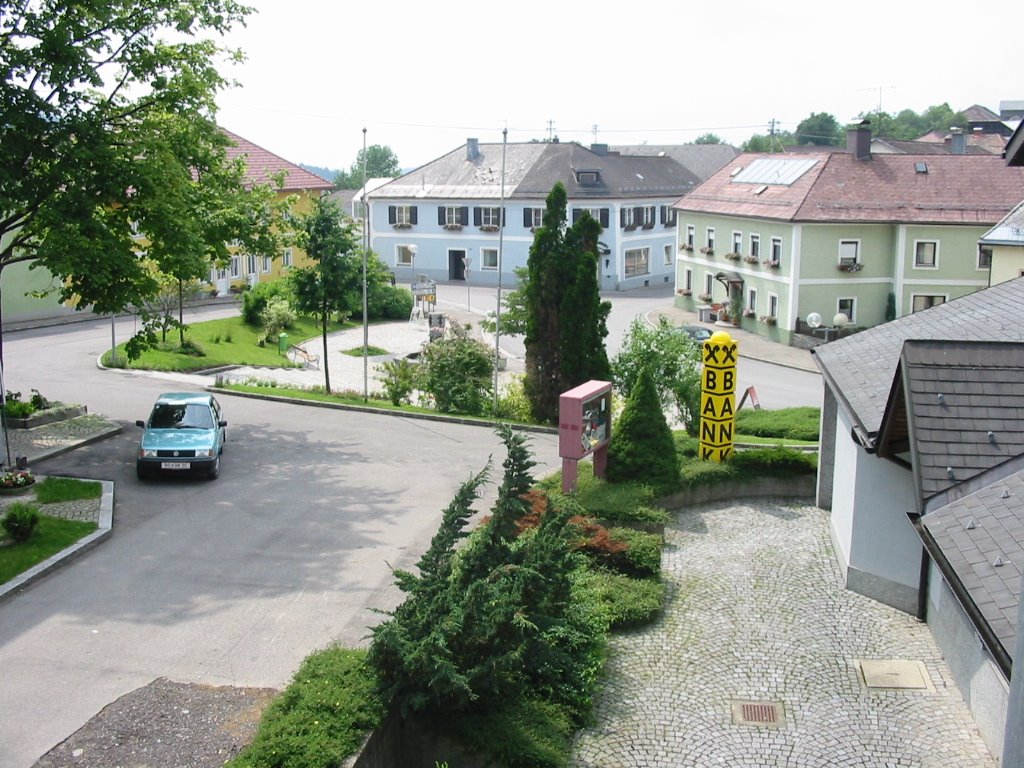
{"x":770,"y":714}
{"x":896,"y":674}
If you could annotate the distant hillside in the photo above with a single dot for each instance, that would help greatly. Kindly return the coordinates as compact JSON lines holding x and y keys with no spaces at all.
{"x":323,"y":173}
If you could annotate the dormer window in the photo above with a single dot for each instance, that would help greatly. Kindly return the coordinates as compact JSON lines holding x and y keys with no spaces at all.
{"x":588,"y":178}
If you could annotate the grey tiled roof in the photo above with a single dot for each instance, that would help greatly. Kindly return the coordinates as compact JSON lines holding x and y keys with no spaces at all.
{"x":1009,"y":231}
{"x":965,"y":409}
{"x":859,"y":369}
{"x":700,"y":159}
{"x":974,"y":533}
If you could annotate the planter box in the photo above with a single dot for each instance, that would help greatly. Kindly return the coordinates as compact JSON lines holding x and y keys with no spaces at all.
{"x":47,"y":416}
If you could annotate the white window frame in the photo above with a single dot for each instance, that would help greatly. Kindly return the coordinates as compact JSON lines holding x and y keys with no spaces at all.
{"x":776,"y":252}
{"x":266,"y":264}
{"x":629,"y":220}
{"x":250,"y":264}
{"x":403,"y":215}
{"x":852,"y":314}
{"x":491,"y":264}
{"x":691,"y":235}
{"x":646,"y":259}
{"x":935,"y":254}
{"x":688,"y":279}
{"x":236,"y":266}
{"x":537,"y":216}
{"x":737,"y":243}
{"x":669,"y":255}
{"x":404,"y":256}
{"x":773,"y":305}
{"x":709,"y":283}
{"x":451,"y":216}
{"x":752,"y":300}
{"x":286,"y":258}
{"x":844,"y":253}
{"x":755,"y":246}
{"x":650,"y":216}
{"x":490,"y":216}
{"x":709,"y":238}
{"x":915,"y":296}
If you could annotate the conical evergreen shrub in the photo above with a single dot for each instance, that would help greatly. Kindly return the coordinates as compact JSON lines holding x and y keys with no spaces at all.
{"x":642,"y":448}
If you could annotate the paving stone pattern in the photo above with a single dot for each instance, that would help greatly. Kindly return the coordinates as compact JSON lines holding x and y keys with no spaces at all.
{"x":758,"y":613}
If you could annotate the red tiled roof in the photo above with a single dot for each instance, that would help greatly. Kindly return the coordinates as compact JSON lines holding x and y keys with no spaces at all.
{"x":261,"y":164}
{"x":957,"y":189}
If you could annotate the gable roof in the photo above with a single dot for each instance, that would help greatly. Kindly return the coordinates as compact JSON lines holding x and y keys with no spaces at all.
{"x":886,"y":188}
{"x":977,"y":540}
{"x":976,"y":113}
{"x":1009,"y":230}
{"x":958,"y":406}
{"x":944,"y":147}
{"x":859,"y":369}
{"x":261,"y":165}
{"x":531,"y":170}
{"x":702,"y":160}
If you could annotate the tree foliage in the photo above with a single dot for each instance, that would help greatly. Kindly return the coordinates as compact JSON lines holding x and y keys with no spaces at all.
{"x":381,"y":163}
{"x":109,"y":146}
{"x":642,"y":448}
{"x":908,"y":125}
{"x":493,"y":621}
{"x":820,"y":129}
{"x":458,"y":372}
{"x":566,"y":319}
{"x":673,"y":359}
{"x":329,"y":286}
{"x":708,"y":138}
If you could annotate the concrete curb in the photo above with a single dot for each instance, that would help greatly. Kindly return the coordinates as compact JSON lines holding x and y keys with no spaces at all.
{"x":57,"y":450}
{"x":105,"y":527}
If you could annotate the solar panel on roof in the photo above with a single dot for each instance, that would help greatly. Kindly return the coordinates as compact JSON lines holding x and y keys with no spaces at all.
{"x":783,"y":170}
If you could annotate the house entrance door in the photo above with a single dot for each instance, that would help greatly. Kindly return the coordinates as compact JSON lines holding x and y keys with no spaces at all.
{"x":457,"y":264}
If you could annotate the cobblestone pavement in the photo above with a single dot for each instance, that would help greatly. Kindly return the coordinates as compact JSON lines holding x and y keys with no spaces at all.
{"x":758,"y":614}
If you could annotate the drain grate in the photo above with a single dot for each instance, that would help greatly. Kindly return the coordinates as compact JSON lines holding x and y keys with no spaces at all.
{"x":758,"y":713}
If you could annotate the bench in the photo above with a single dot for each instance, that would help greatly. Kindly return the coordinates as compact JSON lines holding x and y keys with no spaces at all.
{"x":307,"y":358}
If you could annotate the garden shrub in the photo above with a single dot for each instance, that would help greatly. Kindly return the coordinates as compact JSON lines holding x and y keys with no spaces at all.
{"x":21,"y":520}
{"x":400,"y":377}
{"x":190,"y":348}
{"x":513,"y":404}
{"x":39,"y":402}
{"x":775,"y":461}
{"x":626,"y":602}
{"x":16,"y":408}
{"x":255,"y":300}
{"x":459,"y":372}
{"x":388,"y":302}
{"x":277,"y":315}
{"x":642,"y":554}
{"x":322,"y":716}
{"x":642,"y":448}
{"x":800,"y":423}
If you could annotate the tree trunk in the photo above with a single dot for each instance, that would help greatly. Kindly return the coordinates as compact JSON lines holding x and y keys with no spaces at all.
{"x":181,"y":317}
{"x":327,"y":368}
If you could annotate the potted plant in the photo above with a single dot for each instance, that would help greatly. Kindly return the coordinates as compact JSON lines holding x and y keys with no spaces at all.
{"x":732,"y":256}
{"x":15,"y":481}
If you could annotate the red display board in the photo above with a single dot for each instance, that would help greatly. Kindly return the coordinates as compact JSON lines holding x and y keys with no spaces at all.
{"x":584,"y":428}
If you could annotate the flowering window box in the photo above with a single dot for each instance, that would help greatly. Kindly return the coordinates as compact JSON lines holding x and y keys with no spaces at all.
{"x":732,"y":256}
{"x":488,"y":228}
{"x":707,"y":251}
{"x":686,"y":247}
{"x":453,"y":226}
{"x":749,"y":313}
{"x":751,"y":259}
{"x":705,"y":297}
{"x":685,"y":292}
{"x":402,"y":225}
{"x":771,"y":264}
{"x":768,"y":319}
{"x":854,"y":266}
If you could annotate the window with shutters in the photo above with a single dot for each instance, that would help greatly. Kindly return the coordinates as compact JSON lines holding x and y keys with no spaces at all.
{"x":648,"y":213}
{"x":533,"y":218}
{"x":453,"y":216}
{"x":628,"y":218}
{"x":488,"y":218}
{"x":402,"y":216}
{"x":668,"y":215}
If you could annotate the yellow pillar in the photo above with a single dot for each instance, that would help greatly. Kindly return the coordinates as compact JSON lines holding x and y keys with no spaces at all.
{"x":718,"y":397}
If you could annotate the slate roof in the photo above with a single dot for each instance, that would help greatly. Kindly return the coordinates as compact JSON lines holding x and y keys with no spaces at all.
{"x":532,"y":169}
{"x":860,"y":368}
{"x":930,"y":147}
{"x":887,"y":188}
{"x":261,"y":164}
{"x":702,"y":160}
{"x":1009,"y":231}
{"x":974,"y":533}
{"x":1014,"y":152}
{"x":976,"y":113}
{"x":961,"y":406}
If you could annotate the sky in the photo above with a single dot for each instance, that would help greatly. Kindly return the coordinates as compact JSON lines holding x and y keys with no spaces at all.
{"x":422,"y":77}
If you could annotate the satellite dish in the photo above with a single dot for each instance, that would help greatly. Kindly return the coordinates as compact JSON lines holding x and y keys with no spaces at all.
{"x":814,"y":320}
{"x":840,"y":320}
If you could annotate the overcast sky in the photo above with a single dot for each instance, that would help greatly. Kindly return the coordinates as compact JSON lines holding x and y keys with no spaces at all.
{"x":421,"y":77}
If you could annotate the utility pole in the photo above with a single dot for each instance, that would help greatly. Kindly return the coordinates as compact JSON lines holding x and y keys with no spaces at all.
{"x":595,"y":133}
{"x":771,"y":135}
{"x":551,"y":131}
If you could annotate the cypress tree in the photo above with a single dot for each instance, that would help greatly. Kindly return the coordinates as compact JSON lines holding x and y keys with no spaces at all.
{"x":642,"y":447}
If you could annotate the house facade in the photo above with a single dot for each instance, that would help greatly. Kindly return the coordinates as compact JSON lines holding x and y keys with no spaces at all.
{"x":446,"y":220}
{"x":921,"y":465}
{"x":871,"y":237}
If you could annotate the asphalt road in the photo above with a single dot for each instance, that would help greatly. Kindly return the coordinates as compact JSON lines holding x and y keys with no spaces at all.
{"x":232,"y":581}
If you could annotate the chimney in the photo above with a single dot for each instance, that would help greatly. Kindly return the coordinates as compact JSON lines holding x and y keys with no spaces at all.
{"x":472,"y":149}
{"x":599,"y":149}
{"x":957,"y":142}
{"x":858,"y":140}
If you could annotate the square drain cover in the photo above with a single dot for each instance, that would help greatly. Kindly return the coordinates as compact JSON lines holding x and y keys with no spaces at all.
{"x":759,"y":713}
{"x":894,"y":674}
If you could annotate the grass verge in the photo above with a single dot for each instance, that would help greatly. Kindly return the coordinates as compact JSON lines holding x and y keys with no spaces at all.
{"x":52,"y":490}
{"x":50,"y":537}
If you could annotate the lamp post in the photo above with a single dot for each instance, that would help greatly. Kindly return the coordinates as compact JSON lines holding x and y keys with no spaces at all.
{"x":366,"y":248}
{"x":501,"y":239}
{"x":412,"y":254}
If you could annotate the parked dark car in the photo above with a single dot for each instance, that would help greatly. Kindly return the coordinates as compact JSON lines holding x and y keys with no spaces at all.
{"x":184,"y":434}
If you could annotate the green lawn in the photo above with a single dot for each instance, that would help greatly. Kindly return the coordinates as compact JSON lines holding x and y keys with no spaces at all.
{"x":50,"y":537}
{"x":228,"y":341}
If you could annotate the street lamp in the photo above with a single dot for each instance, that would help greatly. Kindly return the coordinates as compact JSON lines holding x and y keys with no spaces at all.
{"x":412,"y":254}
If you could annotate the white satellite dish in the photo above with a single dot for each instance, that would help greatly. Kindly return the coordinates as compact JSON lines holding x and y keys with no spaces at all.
{"x":814,"y":320}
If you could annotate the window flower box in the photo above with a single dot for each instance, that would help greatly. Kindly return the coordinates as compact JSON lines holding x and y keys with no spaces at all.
{"x":768,"y":319}
{"x":855,"y":266}
{"x":686,"y":247}
{"x":732,"y":256}
{"x":684,"y":292}
{"x":453,"y":226}
{"x":707,"y":251}
{"x":402,"y":225}
{"x":488,"y":228}
{"x":751,"y":259}
{"x":771,"y":264}
{"x":705,"y":297}
{"x":749,"y":313}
